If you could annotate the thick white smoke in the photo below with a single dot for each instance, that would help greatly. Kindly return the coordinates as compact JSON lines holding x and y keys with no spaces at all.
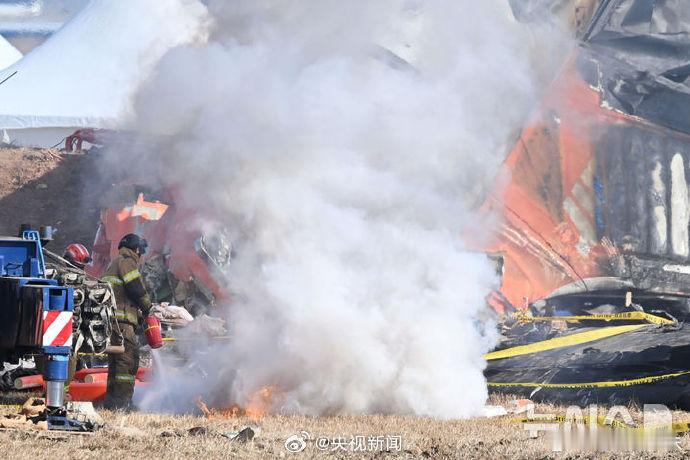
{"x":346,"y":177}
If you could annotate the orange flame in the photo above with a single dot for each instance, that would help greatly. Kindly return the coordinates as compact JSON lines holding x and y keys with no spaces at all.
{"x":257,"y":406}
{"x":260,"y":402}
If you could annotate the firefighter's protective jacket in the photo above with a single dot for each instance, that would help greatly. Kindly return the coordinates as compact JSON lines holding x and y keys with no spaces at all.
{"x":123,"y":275}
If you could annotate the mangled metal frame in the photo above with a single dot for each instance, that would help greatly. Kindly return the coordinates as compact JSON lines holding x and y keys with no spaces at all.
{"x":596,"y":217}
{"x":94,"y":305}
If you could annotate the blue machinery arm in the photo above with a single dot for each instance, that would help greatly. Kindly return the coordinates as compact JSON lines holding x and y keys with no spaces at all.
{"x":36,"y":316}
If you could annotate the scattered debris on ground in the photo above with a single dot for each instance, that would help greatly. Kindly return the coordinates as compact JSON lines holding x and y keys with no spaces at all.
{"x":10,"y":372}
{"x":162,"y":435}
{"x":32,"y":415}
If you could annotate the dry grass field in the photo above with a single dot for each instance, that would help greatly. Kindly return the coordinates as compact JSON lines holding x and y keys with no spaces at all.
{"x":50,"y":183}
{"x":42,"y":188}
{"x":138,"y":435}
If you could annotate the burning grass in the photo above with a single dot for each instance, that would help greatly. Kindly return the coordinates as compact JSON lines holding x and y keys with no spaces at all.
{"x":166,"y":436}
{"x":256,"y":407}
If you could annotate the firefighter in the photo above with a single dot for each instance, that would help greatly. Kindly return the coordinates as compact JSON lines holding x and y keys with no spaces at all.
{"x":133,"y":304}
{"x":77,"y":255}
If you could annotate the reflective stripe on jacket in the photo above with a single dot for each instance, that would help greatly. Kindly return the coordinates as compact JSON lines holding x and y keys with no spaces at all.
{"x":128,"y":285}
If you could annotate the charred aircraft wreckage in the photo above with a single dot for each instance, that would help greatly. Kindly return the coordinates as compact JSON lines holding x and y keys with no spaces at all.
{"x":594,"y":242}
{"x":594,"y":247}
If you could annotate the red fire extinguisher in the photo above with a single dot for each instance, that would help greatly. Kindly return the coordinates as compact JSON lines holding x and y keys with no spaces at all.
{"x":153,"y":332}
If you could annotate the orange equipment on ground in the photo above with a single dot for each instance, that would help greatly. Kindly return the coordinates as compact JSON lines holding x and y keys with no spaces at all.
{"x":88,"y":384}
{"x":28,"y":382}
{"x":81,"y":391}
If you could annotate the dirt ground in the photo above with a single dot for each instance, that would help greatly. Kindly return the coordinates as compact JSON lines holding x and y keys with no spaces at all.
{"x":138,"y":435}
{"x":43,"y":187}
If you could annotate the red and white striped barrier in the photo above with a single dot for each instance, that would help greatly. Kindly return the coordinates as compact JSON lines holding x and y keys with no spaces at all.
{"x":57,"y":328}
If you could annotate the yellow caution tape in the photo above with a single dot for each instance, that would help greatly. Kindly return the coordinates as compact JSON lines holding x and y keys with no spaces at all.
{"x":606,"y":384}
{"x":676,"y":427}
{"x":629,"y":316}
{"x":681,"y":427}
{"x":560,"y":342}
{"x":177,"y":339}
{"x":601,"y":420}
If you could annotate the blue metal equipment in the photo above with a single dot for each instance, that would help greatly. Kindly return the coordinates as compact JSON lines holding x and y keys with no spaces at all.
{"x":36,"y":317}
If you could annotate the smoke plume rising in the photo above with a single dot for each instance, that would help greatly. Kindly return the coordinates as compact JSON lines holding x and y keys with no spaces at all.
{"x":343,"y":145}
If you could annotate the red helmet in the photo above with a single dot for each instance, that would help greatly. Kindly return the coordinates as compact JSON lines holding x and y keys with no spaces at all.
{"x":77,"y":253}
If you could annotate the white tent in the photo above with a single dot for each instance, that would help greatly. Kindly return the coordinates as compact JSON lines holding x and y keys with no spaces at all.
{"x":86,"y":73}
{"x":8,"y":54}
